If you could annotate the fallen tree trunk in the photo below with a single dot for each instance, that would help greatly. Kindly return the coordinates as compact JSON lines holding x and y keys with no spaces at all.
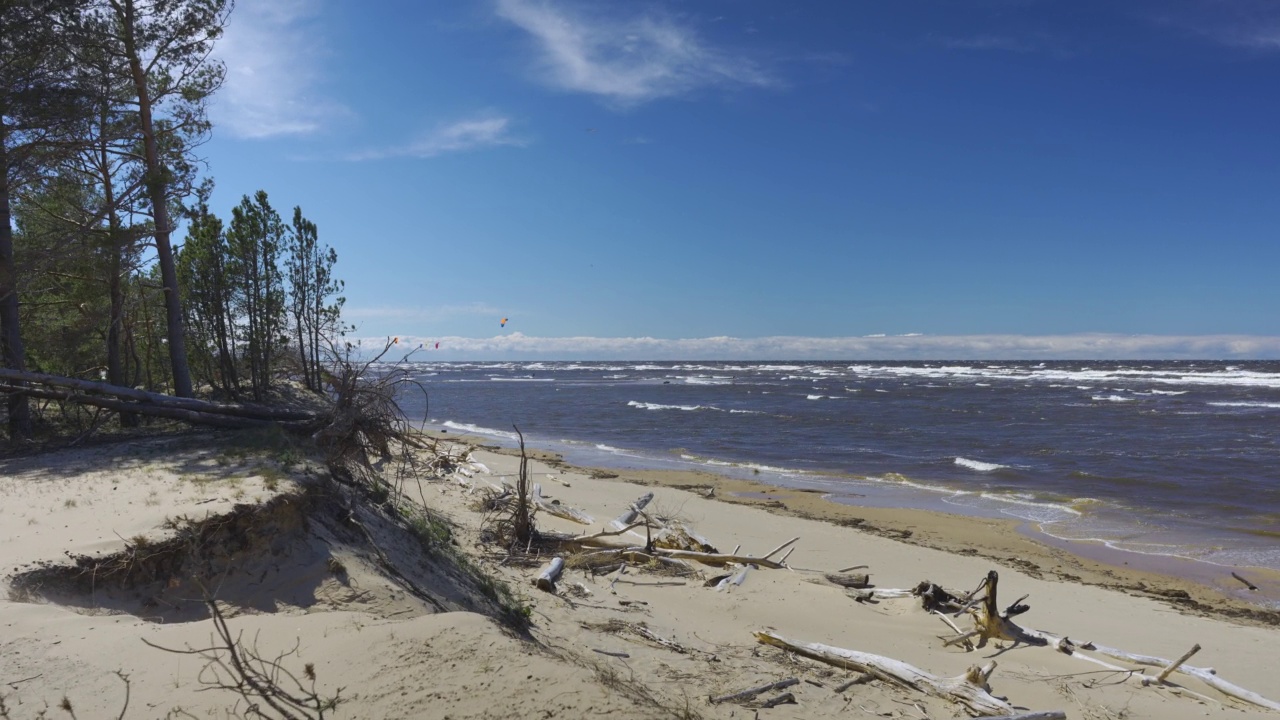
{"x":968,"y":689}
{"x":145,"y":398}
{"x":173,"y":413}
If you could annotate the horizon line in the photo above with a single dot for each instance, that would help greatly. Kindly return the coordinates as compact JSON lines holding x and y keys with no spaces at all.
{"x":889,"y":348}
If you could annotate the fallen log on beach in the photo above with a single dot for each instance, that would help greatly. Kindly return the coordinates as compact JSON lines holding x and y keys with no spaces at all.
{"x":860,"y":580}
{"x":85,"y":389}
{"x":969,"y":689}
{"x":550,"y":573}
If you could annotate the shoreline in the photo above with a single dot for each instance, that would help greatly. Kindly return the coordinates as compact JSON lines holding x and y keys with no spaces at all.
{"x":1188,"y":585}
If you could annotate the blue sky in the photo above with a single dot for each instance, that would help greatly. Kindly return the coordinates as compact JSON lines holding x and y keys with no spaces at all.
{"x":770,"y":179}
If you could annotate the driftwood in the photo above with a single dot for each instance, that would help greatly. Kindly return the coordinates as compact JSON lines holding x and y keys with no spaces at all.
{"x":736,"y":579}
{"x":969,"y":689}
{"x":934,"y":597}
{"x":860,"y":580}
{"x":546,"y":580}
{"x":682,"y":537}
{"x":1049,"y":715}
{"x":1206,"y":675}
{"x":877,"y":594}
{"x":754,"y":691}
{"x":558,"y":509}
{"x":629,"y":517}
{"x":724,"y":559}
{"x":992,"y":624}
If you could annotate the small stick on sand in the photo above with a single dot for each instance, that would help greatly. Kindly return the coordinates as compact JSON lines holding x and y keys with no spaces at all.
{"x":1047,"y":715}
{"x":752,"y":692}
{"x":1174,"y":665}
{"x":860,"y":680}
{"x":783,"y":699}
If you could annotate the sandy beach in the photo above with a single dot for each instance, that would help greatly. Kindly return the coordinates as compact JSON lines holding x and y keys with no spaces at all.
{"x":404,"y":633}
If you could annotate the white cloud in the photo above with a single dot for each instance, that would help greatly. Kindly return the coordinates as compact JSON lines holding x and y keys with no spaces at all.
{"x":627,"y":61}
{"x":271,"y":50}
{"x":459,"y":136}
{"x":899,"y":347}
{"x":465,"y":135}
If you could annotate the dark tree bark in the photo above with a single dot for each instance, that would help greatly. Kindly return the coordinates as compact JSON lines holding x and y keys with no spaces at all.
{"x":158,"y":191}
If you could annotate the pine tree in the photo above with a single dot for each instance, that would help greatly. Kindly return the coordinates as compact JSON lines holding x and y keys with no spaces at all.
{"x":312,"y":295}
{"x":39,"y":106}
{"x":255,"y":240}
{"x":165,"y":46}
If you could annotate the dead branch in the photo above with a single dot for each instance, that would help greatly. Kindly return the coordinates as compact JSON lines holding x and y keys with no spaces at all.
{"x":258,"y":679}
{"x":969,"y":689}
{"x":754,"y":691}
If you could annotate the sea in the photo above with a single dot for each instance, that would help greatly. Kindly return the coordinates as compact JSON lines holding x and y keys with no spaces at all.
{"x":1155,"y":459}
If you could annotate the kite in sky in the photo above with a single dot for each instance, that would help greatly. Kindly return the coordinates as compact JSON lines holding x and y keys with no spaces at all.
{"x":503,"y":323}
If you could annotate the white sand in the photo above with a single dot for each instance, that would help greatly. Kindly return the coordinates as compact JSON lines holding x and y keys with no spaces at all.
{"x":396,"y":659}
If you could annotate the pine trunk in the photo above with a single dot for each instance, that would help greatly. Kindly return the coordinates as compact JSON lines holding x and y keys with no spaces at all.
{"x":12,"y":353}
{"x":157,"y":190}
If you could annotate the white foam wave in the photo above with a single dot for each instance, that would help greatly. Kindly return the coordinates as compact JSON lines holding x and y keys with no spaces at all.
{"x":477,"y":430}
{"x":1111,"y":398}
{"x":706,"y":381}
{"x":1246,"y":404}
{"x":657,"y":406}
{"x":979,"y":465}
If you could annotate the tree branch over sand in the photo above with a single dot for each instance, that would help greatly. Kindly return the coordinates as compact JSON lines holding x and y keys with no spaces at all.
{"x":259,"y":680}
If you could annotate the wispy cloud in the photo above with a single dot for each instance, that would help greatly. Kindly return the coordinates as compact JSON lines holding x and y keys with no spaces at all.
{"x":1245,"y":24}
{"x":897,"y":347}
{"x":627,"y":61}
{"x":272,"y":88}
{"x":482,"y":131}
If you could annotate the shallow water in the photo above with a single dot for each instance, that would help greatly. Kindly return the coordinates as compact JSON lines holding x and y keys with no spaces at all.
{"x":1164,"y":458}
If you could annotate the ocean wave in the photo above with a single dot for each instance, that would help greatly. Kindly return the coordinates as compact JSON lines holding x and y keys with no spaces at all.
{"x":707,"y":380}
{"x":657,"y":406}
{"x":1111,"y":398}
{"x":477,"y":430}
{"x":979,"y":465}
{"x":1272,"y":405}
